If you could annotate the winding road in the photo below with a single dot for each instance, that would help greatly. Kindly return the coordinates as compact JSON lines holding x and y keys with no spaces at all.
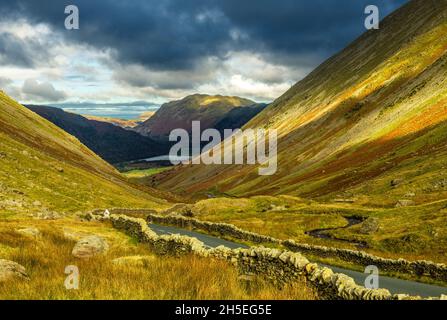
{"x":394,"y":285}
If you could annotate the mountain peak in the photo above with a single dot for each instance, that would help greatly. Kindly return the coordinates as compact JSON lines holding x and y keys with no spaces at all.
{"x":208,"y":109}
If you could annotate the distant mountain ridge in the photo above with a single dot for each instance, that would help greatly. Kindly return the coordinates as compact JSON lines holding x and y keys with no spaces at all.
{"x":209,"y":110}
{"x":113,"y":143}
{"x":121,"y":110}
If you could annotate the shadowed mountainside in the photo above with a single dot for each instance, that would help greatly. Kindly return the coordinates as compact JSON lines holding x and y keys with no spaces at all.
{"x":113,"y":143}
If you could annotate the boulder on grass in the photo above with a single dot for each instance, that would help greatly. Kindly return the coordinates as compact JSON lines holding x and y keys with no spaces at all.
{"x":369,"y":226}
{"x":405,"y":203}
{"x":137,"y":261}
{"x":30,"y":231}
{"x":10,"y":270}
{"x":89,"y":247}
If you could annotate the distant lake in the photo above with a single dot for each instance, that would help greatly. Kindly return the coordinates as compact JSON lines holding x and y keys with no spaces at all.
{"x":164,"y":158}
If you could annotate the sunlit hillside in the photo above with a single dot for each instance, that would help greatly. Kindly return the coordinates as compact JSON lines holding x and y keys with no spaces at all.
{"x":369,"y":121}
{"x":44,"y":169}
{"x":209,"y":110}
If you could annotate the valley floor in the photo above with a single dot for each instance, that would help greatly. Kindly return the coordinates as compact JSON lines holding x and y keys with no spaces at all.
{"x":412,"y":233}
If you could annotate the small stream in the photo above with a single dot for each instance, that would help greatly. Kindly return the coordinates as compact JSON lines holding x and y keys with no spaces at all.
{"x":323,"y":233}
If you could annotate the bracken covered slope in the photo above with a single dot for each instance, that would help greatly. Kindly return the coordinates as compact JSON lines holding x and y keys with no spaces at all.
{"x":368,"y":124}
{"x":44,"y":168}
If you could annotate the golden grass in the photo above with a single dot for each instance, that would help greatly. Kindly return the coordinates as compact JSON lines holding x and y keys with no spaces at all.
{"x":188,"y":277}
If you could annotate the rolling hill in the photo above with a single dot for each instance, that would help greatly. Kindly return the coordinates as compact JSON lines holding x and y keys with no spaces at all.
{"x":368,"y":125}
{"x":209,"y":110}
{"x":113,"y":143}
{"x":44,"y":169}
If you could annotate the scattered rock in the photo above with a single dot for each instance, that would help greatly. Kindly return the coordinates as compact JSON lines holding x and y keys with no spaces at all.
{"x":89,"y":247}
{"x":339,"y":200}
{"x":30,"y":231}
{"x":396,"y":182}
{"x":405,"y":203}
{"x":10,"y":270}
{"x":47,"y":215}
{"x":274,"y":207}
{"x":137,"y":261}
{"x":246,"y":278}
{"x":369,"y":226}
{"x":37,"y":203}
{"x":11,"y":203}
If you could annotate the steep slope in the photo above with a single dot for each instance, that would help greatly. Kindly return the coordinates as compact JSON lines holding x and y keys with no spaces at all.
{"x":368,"y":122}
{"x":238,"y":117}
{"x":114,"y":144}
{"x":209,"y":110}
{"x":43,"y":168}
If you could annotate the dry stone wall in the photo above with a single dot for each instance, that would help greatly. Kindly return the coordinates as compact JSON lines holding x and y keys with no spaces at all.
{"x":222,"y":229}
{"x":280,"y":266}
{"x":319,"y":277}
{"x":418,"y":268}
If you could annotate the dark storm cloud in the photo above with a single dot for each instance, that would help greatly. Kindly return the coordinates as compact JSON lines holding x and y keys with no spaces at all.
{"x":173,"y":35}
{"x":18,"y":52}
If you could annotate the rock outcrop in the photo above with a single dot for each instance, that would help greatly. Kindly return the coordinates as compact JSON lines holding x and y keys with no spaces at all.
{"x":29,"y":231}
{"x":10,"y":270}
{"x":89,"y":247}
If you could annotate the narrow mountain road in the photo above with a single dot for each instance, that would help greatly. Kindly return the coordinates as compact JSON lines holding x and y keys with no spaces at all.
{"x":394,"y":285}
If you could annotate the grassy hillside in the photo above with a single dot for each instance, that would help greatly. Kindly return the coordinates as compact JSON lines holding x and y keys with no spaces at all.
{"x":368,"y":124}
{"x":209,"y":110}
{"x":44,"y":169}
{"x":142,"y":274}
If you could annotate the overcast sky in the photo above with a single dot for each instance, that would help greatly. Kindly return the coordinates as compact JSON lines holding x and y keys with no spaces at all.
{"x":158,"y":50}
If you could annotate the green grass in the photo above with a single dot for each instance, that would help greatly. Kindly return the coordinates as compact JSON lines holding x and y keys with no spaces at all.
{"x":133,"y":174}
